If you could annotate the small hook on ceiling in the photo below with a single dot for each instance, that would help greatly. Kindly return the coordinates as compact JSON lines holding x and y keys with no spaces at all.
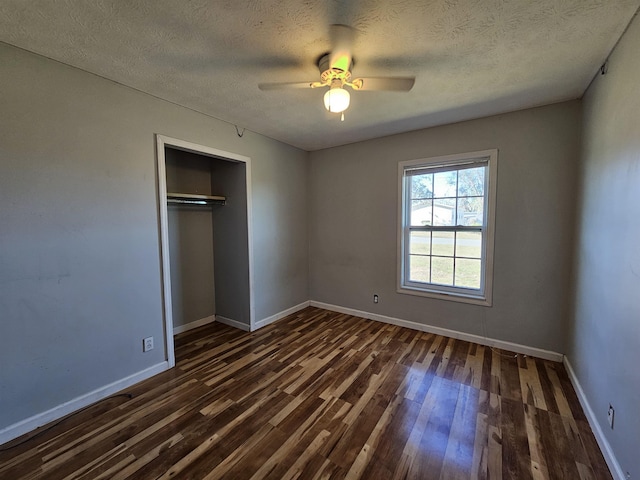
{"x":604,"y":68}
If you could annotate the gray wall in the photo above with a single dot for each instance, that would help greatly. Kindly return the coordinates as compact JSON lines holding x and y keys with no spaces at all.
{"x":79,"y":236}
{"x":604,"y":335}
{"x":354,"y":212}
{"x":190,"y":231}
{"x":230,"y":242}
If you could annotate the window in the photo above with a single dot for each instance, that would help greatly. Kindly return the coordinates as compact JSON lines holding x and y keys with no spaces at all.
{"x":446,"y":226}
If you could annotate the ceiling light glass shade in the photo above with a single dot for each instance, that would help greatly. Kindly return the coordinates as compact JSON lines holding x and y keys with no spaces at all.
{"x":336,"y":100}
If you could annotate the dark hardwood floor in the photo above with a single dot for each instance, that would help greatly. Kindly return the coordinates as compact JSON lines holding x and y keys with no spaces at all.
{"x":322,"y":395}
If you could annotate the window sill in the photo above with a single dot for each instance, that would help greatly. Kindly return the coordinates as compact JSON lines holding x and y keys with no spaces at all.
{"x":451,"y":297}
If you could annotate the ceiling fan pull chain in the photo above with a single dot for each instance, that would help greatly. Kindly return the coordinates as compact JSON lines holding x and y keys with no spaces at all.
{"x":342,"y":117}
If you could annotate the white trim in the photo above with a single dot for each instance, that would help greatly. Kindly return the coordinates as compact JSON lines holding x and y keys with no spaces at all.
{"x":453,"y":297}
{"x":233,"y":323}
{"x":279,"y":316}
{"x":201,"y":149}
{"x":469,"y":337}
{"x":484,"y":296}
{"x":164,"y":252}
{"x":603,"y":443}
{"x":163,"y":141}
{"x":195,"y":324}
{"x":252,"y":310}
{"x":27,"y":425}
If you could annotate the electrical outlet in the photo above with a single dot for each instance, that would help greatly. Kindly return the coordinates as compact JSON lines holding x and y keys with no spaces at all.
{"x":610,"y":414}
{"x":147,"y":344}
{"x":375,"y":299}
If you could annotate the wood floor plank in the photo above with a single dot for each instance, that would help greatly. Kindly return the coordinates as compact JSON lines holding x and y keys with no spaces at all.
{"x":530,"y":386}
{"x":458,"y":461}
{"x":435,"y":437}
{"x":567,"y":467}
{"x":547,"y":386}
{"x":539,"y":468}
{"x":495,"y":459}
{"x":324,"y":395}
{"x":516,"y":457}
{"x":393,"y":439}
{"x":564,"y":408}
{"x":594,"y":454}
{"x":480,"y":448}
{"x":510,"y":383}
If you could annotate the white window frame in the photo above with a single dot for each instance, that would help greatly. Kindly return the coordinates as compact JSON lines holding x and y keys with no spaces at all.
{"x":483,"y":296}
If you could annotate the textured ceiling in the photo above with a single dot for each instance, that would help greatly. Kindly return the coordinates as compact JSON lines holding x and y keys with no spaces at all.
{"x":471,"y":58}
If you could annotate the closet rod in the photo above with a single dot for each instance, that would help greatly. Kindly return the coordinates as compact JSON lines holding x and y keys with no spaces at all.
{"x":193,"y":199}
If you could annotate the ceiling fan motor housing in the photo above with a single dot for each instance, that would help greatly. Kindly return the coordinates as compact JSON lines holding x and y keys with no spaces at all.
{"x":327,"y":74}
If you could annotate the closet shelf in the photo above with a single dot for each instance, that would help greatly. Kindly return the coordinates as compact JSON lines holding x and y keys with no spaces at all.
{"x":195,"y":199}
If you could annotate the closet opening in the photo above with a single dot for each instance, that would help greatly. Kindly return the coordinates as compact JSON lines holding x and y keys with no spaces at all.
{"x":204,"y":202}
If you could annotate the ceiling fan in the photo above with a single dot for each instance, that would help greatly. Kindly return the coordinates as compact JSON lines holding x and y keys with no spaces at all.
{"x":335,"y":73}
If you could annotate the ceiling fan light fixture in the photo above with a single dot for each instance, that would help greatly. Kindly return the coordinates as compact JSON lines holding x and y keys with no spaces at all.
{"x":336,"y":100}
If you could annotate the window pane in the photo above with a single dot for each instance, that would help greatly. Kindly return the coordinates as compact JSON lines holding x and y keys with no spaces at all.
{"x":469,"y":244}
{"x":470,"y":211}
{"x":444,"y":212}
{"x":471,"y":182}
{"x":420,"y":243}
{"x":446,"y":226}
{"x":442,"y":270}
{"x":444,"y":184}
{"x":442,"y":243}
{"x":467,"y":273}
{"x":421,"y":213}
{"x":421,"y":186}
{"x":419,"y":268}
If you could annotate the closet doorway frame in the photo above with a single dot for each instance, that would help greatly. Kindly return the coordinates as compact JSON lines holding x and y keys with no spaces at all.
{"x":162,"y":142}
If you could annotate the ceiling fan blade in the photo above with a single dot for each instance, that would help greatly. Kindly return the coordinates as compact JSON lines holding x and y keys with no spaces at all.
{"x":342,"y":38}
{"x":394,"y":84}
{"x":288,"y":85}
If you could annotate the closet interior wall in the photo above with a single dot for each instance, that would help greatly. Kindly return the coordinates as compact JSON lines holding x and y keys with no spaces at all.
{"x":208,"y":247}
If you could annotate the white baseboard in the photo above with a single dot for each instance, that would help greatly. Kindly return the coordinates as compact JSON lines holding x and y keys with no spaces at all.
{"x":24,"y":426}
{"x":469,"y":337}
{"x":233,"y":323}
{"x":278,"y":316}
{"x":603,"y":443}
{"x":194,"y":324}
